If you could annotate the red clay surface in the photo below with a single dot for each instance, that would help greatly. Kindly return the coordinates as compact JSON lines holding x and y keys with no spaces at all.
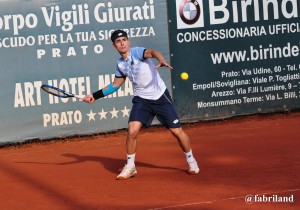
{"x":257,"y":155}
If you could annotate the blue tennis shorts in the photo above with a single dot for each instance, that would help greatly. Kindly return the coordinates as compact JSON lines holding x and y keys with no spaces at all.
{"x":144,"y":110}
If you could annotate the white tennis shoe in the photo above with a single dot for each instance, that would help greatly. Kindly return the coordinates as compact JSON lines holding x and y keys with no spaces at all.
{"x":193,"y":168}
{"x":127,"y":172}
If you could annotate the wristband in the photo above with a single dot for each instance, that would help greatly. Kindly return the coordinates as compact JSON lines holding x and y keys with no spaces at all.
{"x":98,"y":94}
{"x":102,"y":93}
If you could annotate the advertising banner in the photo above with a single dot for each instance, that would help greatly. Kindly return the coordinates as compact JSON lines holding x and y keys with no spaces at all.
{"x":242,"y":57}
{"x":67,"y":44}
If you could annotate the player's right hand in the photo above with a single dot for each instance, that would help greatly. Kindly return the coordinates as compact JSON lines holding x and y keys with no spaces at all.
{"x":89,"y":99}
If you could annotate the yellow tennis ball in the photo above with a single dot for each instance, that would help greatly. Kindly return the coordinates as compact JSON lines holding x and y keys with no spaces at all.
{"x":184,"y":76}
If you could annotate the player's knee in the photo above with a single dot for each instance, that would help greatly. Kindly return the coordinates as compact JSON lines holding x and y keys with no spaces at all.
{"x":133,"y":129}
{"x":132,"y":133}
{"x":177,"y":132}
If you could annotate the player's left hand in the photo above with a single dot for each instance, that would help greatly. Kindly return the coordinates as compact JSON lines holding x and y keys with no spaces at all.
{"x":163,"y":64}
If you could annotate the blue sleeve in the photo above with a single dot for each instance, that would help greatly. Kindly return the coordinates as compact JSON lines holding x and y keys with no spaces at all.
{"x":118,"y":73}
{"x":139,"y":52}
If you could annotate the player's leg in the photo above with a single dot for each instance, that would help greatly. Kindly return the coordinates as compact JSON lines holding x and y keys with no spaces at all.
{"x":184,"y":143}
{"x":140,"y":115}
{"x":167,"y":115}
{"x":131,"y":142}
{"x":131,"y":139}
{"x":182,"y":139}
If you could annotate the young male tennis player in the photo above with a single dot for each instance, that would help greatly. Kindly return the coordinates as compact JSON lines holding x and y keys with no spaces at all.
{"x":151,"y":98}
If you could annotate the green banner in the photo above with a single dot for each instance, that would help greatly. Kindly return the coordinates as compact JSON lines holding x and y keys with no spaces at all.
{"x":242,"y":57}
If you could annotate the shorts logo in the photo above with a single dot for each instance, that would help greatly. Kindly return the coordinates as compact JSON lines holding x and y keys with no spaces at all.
{"x":189,"y":14}
{"x":175,"y":121}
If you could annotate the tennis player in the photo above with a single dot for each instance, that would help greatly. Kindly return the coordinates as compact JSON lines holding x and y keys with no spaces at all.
{"x":151,"y":98}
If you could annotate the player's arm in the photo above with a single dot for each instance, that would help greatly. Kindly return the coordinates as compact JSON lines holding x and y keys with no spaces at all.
{"x":109,"y":89}
{"x":149,"y":53}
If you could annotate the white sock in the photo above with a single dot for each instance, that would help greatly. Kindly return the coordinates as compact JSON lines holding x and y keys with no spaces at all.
{"x":189,"y":156}
{"x":130,"y":160}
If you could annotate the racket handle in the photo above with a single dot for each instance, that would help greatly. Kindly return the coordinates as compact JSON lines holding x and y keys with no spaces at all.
{"x":79,"y":97}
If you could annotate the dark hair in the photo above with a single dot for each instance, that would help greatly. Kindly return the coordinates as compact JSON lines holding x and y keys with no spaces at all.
{"x":118,"y":33}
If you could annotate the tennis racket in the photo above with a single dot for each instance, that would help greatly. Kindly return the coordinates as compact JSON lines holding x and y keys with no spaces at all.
{"x":59,"y":92}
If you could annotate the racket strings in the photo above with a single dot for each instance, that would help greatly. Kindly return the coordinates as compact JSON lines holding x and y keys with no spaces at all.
{"x":56,"y":92}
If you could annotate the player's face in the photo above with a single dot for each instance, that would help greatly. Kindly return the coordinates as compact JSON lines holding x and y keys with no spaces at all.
{"x":122,"y":44}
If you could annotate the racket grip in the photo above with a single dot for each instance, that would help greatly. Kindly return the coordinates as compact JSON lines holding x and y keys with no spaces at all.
{"x":79,"y":97}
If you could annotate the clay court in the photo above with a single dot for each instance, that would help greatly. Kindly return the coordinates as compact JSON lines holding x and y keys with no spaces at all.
{"x":254,"y":155}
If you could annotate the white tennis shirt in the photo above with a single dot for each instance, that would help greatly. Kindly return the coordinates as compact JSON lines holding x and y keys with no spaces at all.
{"x":146,"y":80}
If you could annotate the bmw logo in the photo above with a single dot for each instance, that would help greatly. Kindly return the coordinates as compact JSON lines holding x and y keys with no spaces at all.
{"x":189,"y":11}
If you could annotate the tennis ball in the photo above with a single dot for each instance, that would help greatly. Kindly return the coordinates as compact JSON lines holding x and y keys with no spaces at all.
{"x":184,"y":76}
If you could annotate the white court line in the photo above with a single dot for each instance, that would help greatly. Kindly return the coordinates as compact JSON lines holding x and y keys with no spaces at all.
{"x":224,"y":199}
